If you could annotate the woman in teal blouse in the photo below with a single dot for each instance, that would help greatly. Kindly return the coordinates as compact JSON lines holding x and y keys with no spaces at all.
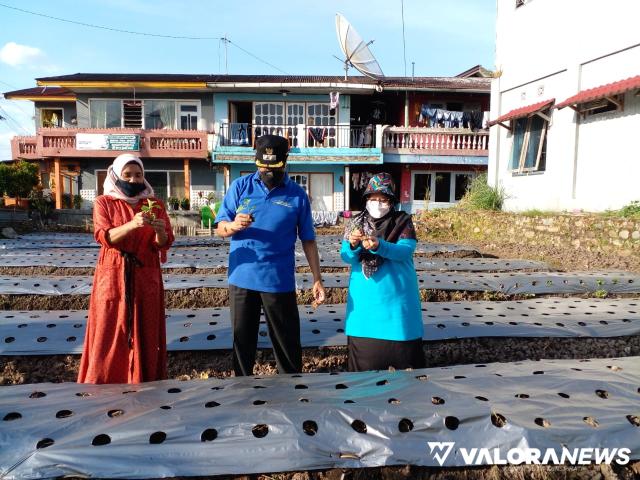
{"x":384,"y":315}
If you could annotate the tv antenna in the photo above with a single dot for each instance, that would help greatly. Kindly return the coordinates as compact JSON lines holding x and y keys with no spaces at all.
{"x":356,"y":51}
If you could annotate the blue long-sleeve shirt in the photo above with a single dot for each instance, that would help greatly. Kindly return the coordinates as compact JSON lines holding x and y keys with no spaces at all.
{"x":385,"y":306}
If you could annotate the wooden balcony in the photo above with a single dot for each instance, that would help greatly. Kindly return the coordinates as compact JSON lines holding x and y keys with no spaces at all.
{"x":435,"y":141}
{"x":62,"y":142}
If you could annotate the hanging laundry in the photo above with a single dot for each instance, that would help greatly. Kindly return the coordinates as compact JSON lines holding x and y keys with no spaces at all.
{"x":239,"y":134}
{"x":456,"y":119}
{"x":334,"y":100}
{"x":317,"y":134}
{"x":355,"y":180}
{"x":485,"y":119}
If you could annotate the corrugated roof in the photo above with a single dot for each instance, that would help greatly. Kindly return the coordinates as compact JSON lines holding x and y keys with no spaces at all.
{"x":523,"y":111}
{"x":391,"y":82}
{"x":40,"y":92}
{"x":602,"y":91}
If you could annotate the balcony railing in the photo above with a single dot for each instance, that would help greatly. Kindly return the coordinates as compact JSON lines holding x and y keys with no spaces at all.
{"x":434,"y":141}
{"x":62,"y":142}
{"x":24,"y":147}
{"x":301,"y":136}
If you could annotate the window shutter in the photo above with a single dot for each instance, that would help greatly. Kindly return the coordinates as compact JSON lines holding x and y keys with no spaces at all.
{"x":132,"y":110}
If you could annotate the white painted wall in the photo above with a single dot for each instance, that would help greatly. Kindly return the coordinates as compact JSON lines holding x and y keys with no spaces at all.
{"x":553,"y":49}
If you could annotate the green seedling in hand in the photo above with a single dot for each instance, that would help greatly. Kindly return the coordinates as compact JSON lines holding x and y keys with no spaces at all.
{"x":246,"y":207}
{"x":148,"y":208}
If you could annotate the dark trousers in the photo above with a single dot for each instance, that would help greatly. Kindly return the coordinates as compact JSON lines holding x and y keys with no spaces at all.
{"x":375,"y":354}
{"x":283,"y":322}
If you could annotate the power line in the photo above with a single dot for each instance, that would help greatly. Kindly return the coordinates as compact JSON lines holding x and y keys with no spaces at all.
{"x":145,"y":34}
{"x":102,"y":27}
{"x":8,"y":117}
{"x":257,"y":58}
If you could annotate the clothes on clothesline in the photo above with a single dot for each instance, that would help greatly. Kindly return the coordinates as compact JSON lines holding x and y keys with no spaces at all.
{"x":317,"y":134}
{"x":334,"y":100}
{"x":436,"y":117}
{"x":238,"y":134}
{"x":360,"y":180}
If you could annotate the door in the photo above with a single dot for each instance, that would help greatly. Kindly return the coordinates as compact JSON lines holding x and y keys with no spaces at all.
{"x":158,"y":180}
{"x":295,"y":117}
{"x":321,"y":187}
{"x":189,"y":114}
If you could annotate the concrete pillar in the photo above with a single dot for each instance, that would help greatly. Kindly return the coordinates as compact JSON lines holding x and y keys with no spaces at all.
{"x":58,"y":181}
{"x":187,"y":179}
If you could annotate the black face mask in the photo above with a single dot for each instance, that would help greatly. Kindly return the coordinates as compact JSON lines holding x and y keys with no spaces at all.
{"x":272,"y":178}
{"x":130,"y":189}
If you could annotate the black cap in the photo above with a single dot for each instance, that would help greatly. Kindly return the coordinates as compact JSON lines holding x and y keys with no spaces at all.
{"x":271,"y":151}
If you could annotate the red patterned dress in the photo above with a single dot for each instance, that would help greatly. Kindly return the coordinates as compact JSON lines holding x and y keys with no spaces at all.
{"x":125,"y":341}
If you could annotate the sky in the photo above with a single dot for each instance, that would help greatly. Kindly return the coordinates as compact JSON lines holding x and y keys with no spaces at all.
{"x":442,"y":37}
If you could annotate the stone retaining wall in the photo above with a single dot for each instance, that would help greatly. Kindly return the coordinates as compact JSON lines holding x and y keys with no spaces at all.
{"x":583,"y":231}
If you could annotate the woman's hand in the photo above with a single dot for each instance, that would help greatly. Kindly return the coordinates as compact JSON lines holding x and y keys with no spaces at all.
{"x":158,"y":225}
{"x":140,"y":220}
{"x":355,"y":237}
{"x":370,"y":243}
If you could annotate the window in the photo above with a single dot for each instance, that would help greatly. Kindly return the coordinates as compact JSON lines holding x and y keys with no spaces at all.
{"x":105,"y":113}
{"x":422,"y":187}
{"x":176,"y":184}
{"x":51,"y":117}
{"x":443,"y":187}
{"x":189,"y":114}
{"x":529,"y":144}
{"x":463,"y":180}
{"x":159,"y":114}
{"x":603,"y":105}
{"x":301,"y":179}
{"x":268,"y":113}
{"x":322,"y":125}
{"x":132,"y":112}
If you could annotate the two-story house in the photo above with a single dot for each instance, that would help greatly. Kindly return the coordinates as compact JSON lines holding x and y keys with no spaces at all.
{"x":566,"y":106}
{"x":196,"y":132}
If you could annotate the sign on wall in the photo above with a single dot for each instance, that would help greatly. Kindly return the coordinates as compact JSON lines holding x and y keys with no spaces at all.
{"x":112,"y":141}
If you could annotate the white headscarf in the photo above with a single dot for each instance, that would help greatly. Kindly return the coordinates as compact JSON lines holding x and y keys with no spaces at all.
{"x":115,"y":172}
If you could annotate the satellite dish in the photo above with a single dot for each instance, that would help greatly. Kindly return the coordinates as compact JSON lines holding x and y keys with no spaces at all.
{"x":356,"y":52}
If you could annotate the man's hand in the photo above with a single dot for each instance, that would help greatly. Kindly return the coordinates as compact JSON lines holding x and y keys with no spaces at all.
{"x":370,"y":243}
{"x":318,"y":294}
{"x":241,"y":222}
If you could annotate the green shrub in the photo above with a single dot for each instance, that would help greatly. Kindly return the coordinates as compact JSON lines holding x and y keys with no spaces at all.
{"x":18,"y":179}
{"x":631,"y":210}
{"x":482,"y":196}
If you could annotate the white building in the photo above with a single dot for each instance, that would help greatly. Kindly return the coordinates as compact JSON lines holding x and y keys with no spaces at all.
{"x":566,"y":132}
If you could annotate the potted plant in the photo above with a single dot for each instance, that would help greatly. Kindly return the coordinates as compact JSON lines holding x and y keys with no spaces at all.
{"x":77,"y":202}
{"x":185,"y":204}
{"x":173,"y":202}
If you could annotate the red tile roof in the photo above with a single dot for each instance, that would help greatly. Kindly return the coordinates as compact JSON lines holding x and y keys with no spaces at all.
{"x":602,"y":91}
{"x":523,"y":111}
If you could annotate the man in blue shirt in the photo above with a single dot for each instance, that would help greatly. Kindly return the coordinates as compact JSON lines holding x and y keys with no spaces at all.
{"x":264,"y":213}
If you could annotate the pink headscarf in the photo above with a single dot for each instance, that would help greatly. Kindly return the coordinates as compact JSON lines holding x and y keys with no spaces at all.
{"x":115,"y":172}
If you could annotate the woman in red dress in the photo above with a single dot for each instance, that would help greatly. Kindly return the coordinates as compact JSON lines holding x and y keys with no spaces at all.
{"x":125,"y":340}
